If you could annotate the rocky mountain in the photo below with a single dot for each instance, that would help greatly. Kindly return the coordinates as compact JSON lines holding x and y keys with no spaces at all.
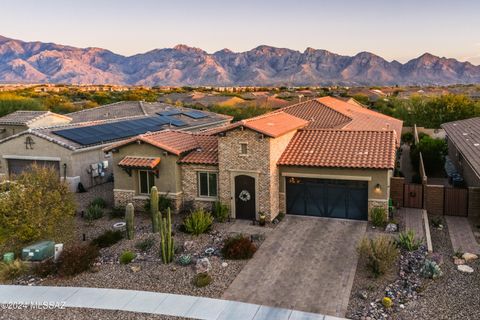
{"x":38,"y":62}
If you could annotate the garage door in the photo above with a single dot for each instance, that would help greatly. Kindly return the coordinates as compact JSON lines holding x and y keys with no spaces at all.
{"x":327,"y":198}
{"x":17,"y":166}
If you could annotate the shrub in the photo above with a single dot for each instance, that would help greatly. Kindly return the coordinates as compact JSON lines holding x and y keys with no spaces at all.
{"x":37,"y":206}
{"x":380,"y":253}
{"x":99,"y":202}
{"x":164,"y":202}
{"x":378,"y":216}
{"x":126,"y":257}
{"x":94,"y":212}
{"x":436,"y":221}
{"x":407,"y":241}
{"x":202,"y":280}
{"x":118,"y":212}
{"x":238,"y":248}
{"x":430,"y":270}
{"x":198,"y":222}
{"x":220,"y":211}
{"x":108,"y":238}
{"x":12,"y":270}
{"x":407,"y":137}
{"x":146,"y":244}
{"x":77,"y":259}
{"x":45,"y":268}
{"x":387,"y":302}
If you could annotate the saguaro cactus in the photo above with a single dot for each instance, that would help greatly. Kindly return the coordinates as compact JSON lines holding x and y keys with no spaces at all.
{"x":154,"y":209}
{"x":167,"y":245}
{"x":129,"y":215}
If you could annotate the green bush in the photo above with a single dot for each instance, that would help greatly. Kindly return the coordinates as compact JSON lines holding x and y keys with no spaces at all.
{"x":94,"y":212}
{"x":164,"y":202}
{"x":77,"y":259}
{"x":146,"y":244}
{"x":379,"y":253}
{"x":238,"y":248}
{"x":117,"y":213}
{"x":221,"y":211}
{"x":202,"y":280}
{"x":126,"y":257}
{"x":12,"y":270}
{"x":98,"y":201}
{"x":407,"y":241}
{"x":108,"y":238}
{"x":430,"y":270}
{"x":198,"y":222}
{"x":436,"y":221}
{"x":378,"y":216}
{"x":45,"y":268}
{"x":407,"y":137}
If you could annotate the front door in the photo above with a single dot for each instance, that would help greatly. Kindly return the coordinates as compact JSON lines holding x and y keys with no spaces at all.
{"x":245,"y":197}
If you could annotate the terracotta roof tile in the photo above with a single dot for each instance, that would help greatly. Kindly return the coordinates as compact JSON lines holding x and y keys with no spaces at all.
{"x":139,"y":162}
{"x":206,"y":153}
{"x":341,"y":148}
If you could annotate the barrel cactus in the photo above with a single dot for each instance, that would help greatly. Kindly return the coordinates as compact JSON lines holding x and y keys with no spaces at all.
{"x":129,"y":215}
{"x":166,"y":242}
{"x":154,"y":213}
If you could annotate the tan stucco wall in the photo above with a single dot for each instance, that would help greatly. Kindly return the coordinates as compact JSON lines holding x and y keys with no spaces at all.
{"x":77,"y":163}
{"x":169,"y":178}
{"x":380,"y":176}
{"x":11,"y":130}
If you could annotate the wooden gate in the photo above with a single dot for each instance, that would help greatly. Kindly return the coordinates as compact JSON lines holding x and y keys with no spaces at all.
{"x":413,"y":195}
{"x":455,"y":202}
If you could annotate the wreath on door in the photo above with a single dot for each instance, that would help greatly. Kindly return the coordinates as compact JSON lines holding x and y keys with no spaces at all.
{"x":244,"y":195}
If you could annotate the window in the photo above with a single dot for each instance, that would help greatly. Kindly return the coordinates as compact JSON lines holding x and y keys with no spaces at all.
{"x":243,"y":148}
{"x":147,"y":181}
{"x":207,"y":184}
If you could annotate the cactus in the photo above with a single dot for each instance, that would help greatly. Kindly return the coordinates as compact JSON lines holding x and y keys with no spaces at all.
{"x":184,"y":260}
{"x":129,"y":214}
{"x":154,"y":209}
{"x":166,"y":244}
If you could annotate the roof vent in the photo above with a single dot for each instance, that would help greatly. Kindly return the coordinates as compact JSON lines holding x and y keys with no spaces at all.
{"x":465,"y":134}
{"x":476,"y":144}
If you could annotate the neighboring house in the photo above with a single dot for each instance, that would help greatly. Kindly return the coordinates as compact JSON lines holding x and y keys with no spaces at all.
{"x":323,"y":157}
{"x":463,"y":137}
{"x":74,"y":149}
{"x":19,"y":121}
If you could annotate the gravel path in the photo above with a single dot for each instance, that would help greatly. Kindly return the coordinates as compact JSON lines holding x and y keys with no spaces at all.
{"x":455,"y":295}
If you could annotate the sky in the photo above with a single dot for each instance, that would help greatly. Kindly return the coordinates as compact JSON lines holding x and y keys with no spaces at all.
{"x":399,"y":30}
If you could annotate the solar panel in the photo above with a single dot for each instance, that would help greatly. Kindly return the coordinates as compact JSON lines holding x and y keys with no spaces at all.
{"x":173,"y":121}
{"x":195,"y":114}
{"x":169,"y":113}
{"x":117,"y":130}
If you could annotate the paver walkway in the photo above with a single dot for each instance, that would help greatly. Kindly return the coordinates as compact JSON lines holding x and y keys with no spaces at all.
{"x":148,"y":302}
{"x":306,"y":263}
{"x":414,"y":221}
{"x":461,"y":235}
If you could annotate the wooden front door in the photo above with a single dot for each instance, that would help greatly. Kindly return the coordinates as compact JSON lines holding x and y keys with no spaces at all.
{"x":245,"y":197}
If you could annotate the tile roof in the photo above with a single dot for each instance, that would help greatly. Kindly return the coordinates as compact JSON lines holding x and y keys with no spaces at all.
{"x":272,"y":124}
{"x":139,"y":162}
{"x":465,"y":134}
{"x":341,"y":148}
{"x":26,"y":117}
{"x":206,"y":153}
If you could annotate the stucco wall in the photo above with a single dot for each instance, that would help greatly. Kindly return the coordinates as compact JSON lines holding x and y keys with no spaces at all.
{"x":11,"y":130}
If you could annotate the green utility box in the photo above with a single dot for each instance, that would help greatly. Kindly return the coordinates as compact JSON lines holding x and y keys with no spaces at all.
{"x":39,"y":251}
{"x":8,"y":257}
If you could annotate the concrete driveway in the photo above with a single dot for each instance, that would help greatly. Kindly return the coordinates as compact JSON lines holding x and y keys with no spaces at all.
{"x":306,"y":263}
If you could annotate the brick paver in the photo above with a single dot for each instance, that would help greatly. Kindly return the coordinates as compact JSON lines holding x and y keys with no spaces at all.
{"x":306,"y":264}
{"x":414,"y":221}
{"x":461,"y":235}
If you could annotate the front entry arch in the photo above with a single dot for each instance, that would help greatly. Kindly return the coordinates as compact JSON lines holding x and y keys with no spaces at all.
{"x":245,"y":202}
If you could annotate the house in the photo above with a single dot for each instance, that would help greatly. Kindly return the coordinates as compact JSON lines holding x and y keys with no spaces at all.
{"x":323,"y":157}
{"x":463,"y":137}
{"x":19,"y":121}
{"x":74,"y":146}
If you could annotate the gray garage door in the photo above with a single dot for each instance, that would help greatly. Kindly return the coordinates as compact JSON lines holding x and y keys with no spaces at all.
{"x":17,"y":166}
{"x":327,"y":198}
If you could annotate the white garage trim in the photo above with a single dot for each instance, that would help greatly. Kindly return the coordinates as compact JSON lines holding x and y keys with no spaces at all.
{"x":31,"y":158}
{"x":326,"y":176}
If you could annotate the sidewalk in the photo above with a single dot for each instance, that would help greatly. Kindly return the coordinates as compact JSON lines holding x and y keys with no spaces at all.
{"x":150,"y":302}
{"x":461,"y":235}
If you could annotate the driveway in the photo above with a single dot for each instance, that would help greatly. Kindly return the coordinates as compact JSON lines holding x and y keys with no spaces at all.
{"x":306,"y":263}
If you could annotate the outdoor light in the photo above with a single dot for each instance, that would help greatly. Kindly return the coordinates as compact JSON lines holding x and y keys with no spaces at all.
{"x":377,"y":188}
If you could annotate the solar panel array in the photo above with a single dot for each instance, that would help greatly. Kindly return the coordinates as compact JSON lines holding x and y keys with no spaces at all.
{"x":192,"y":114}
{"x":117,"y":130}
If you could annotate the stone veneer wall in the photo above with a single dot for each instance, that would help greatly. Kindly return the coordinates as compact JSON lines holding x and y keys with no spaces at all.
{"x":123,"y":197}
{"x":377,"y":204}
{"x":256,"y":164}
{"x":190,"y":185}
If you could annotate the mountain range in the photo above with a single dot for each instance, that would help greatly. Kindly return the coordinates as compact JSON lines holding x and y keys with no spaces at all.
{"x":39,"y":62}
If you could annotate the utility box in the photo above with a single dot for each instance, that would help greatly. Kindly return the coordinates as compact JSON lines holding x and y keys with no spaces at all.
{"x":58,"y":251}
{"x":39,"y":251}
{"x":8,"y":257}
